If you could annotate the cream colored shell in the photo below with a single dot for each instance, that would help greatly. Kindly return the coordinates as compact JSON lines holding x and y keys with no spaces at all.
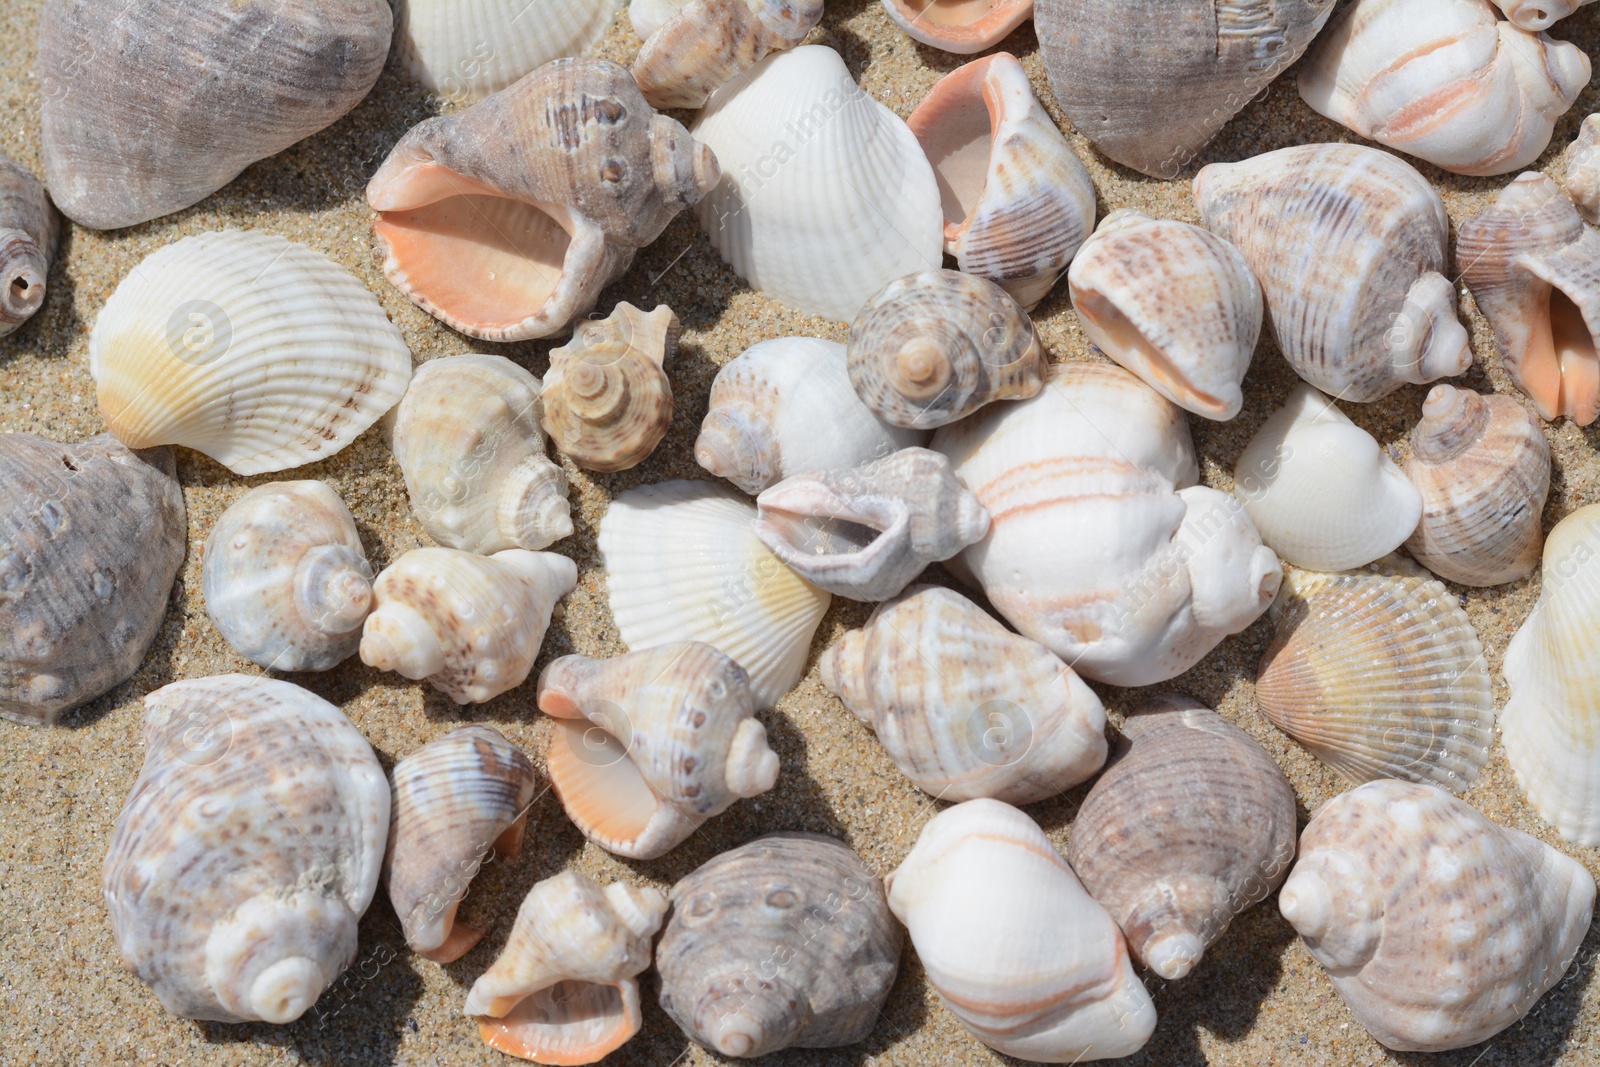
{"x":706,"y":43}
{"x":1582,"y":181}
{"x":1538,"y":15}
{"x":607,"y":397}
{"x":29,"y":230}
{"x":464,"y":50}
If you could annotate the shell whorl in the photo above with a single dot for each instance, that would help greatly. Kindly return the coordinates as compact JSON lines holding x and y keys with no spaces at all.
{"x":607,"y":398}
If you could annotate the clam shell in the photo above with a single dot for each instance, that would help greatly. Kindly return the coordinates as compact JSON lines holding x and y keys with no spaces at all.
{"x":286,"y":580}
{"x":1583,"y":170}
{"x":248,"y":849}
{"x":825,"y":195}
{"x":192,"y":349}
{"x":607,"y":398}
{"x":465,"y":50}
{"x":91,"y":539}
{"x":706,"y":43}
{"x":29,"y":230}
{"x":959,"y":26}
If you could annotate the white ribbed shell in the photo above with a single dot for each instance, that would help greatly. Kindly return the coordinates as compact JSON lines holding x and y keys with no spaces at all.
{"x":466,"y":49}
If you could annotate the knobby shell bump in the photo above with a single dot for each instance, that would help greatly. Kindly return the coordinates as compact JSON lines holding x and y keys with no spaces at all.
{"x":1583,"y":170}
{"x":464,"y":50}
{"x":607,"y":397}
{"x":707,"y":43}
{"x":1535,"y":15}
{"x":30,"y":228}
{"x":957,"y":26}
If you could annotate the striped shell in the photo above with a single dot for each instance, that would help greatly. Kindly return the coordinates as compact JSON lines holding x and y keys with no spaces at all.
{"x":464,"y":50}
{"x":30,"y":226}
{"x":707,"y":43}
{"x":607,"y":397}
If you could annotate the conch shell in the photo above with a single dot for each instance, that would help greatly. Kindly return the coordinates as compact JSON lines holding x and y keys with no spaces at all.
{"x":959,"y":26}
{"x":1583,"y":170}
{"x":607,"y":398}
{"x":464,"y":50}
{"x":706,"y":43}
{"x":29,"y":230}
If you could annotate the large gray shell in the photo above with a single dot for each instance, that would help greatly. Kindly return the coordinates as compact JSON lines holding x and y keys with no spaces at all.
{"x":735,"y":975}
{"x":29,"y":227}
{"x":91,"y":538}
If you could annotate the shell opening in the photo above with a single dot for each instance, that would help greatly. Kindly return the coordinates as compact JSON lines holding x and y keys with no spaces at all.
{"x":570,"y":1022}
{"x":24,"y":294}
{"x":602,"y":791}
{"x":1116,"y":335}
{"x":958,"y":14}
{"x":1569,"y":347}
{"x":957,"y":136}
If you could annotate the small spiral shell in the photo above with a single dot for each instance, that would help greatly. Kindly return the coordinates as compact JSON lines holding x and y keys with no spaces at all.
{"x":607,"y":398}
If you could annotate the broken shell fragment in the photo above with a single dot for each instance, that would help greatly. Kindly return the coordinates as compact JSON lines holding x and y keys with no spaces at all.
{"x":607,"y":397}
{"x":706,"y":43}
{"x":959,"y":26}
{"x":466,"y":50}
{"x":29,"y":230}
{"x":1583,"y":170}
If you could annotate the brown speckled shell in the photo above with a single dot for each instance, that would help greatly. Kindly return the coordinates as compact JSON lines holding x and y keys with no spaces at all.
{"x":709,"y":42}
{"x":607,"y":397}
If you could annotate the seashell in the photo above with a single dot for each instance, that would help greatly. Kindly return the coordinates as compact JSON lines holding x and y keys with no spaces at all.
{"x":193,"y":350}
{"x":91,"y":539}
{"x":1380,"y":676}
{"x":867,"y":533}
{"x":565,"y":988}
{"x":735,"y":975}
{"x":650,"y":745}
{"x":248,"y":849}
{"x":1152,"y":81}
{"x":1320,"y":490}
{"x":766,"y":406}
{"x":468,"y":441}
{"x":1039,"y":971}
{"x":1191,"y":824}
{"x":1445,"y":81}
{"x":1536,"y":15}
{"x":1173,"y":303}
{"x":1482,"y":466}
{"x":648,"y":16}
{"x":29,"y":230}
{"x":957,"y":26}
{"x":1530,"y":263}
{"x":471,"y":625}
{"x":466,"y":50}
{"x":226,"y":85}
{"x":707,"y":43}
{"x":456,"y":801}
{"x":607,"y":398}
{"x":1357,"y":307}
{"x":1160,"y":569}
{"x":683,"y":564}
{"x":934,"y":347}
{"x":1583,"y":170}
{"x":826,"y":196}
{"x":286,"y":580}
{"x":506,"y":220}
{"x":963,"y":706}
{"x":1438,"y":928}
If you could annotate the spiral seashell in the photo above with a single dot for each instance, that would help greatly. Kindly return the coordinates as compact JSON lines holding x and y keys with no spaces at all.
{"x":963,"y":706}
{"x":468,"y":441}
{"x":959,"y":26}
{"x":506,"y":220}
{"x":684,"y":565}
{"x":1034,"y":968}
{"x":826,"y":196}
{"x":1536,"y":15}
{"x":867,"y":533}
{"x":934,"y":347}
{"x":766,"y":406}
{"x":286,"y":581}
{"x":91,"y":539}
{"x":785,"y":942}
{"x":457,"y":800}
{"x":225,"y":85}
{"x":1380,"y":676}
{"x":1531,"y":265}
{"x":707,"y":43}
{"x":471,"y":625}
{"x":1191,"y":823}
{"x":607,"y":398}
{"x":192,"y":349}
{"x":1445,"y":81}
{"x":1320,"y":490}
{"x":1348,"y":244}
{"x":565,"y":988}
{"x":466,"y":50}
{"x":1482,"y":466}
{"x":1017,"y":200}
{"x":248,"y":849}
{"x":650,"y":745}
{"x":29,"y":230}
{"x":1174,"y":304}
{"x":1150,"y":82}
{"x":1438,"y":928}
{"x":1583,"y":170}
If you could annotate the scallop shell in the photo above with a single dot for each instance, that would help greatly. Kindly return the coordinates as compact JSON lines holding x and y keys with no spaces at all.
{"x":766,"y":406}
{"x":650,"y":745}
{"x":1348,"y":244}
{"x":193,"y":349}
{"x":707,"y":43}
{"x":607,"y":398}
{"x":1482,"y":466}
{"x":1445,"y":81}
{"x":963,"y":706}
{"x":1038,"y":970}
{"x":684,"y":565}
{"x":1150,"y":82}
{"x":826,"y":196}
{"x":737,"y":975}
{"x":1173,"y":303}
{"x":1438,"y":928}
{"x":286,"y":580}
{"x":471,"y":625}
{"x":959,"y":26}
{"x":565,"y":988}
{"x":248,"y":849}
{"x":1583,"y":170}
{"x":29,"y":230}
{"x":465,"y":50}
{"x":91,"y":539}
{"x":458,"y":802}
{"x":867,"y":533}
{"x":1191,"y":823}
{"x":1320,"y":490}
{"x":506,"y":220}
{"x":222,"y":86}
{"x":1531,"y":265}
{"x":468,"y":441}
{"x":934,"y":347}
